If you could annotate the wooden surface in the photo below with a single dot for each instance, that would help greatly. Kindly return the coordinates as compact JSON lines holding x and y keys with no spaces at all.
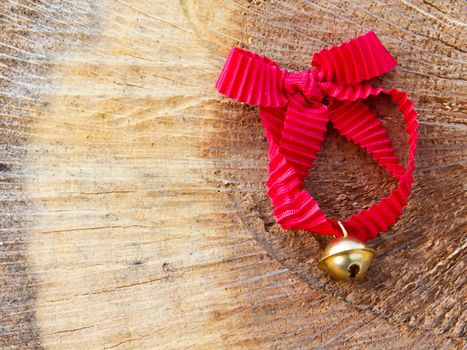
{"x":133,"y":207}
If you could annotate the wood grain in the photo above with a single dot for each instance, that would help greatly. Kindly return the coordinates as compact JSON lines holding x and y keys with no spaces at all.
{"x":134,"y":213}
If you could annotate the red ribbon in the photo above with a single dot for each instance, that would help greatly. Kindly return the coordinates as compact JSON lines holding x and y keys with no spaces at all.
{"x":295,"y":109}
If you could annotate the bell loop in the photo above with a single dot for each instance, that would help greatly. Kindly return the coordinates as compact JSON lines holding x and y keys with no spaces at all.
{"x":344,"y":231}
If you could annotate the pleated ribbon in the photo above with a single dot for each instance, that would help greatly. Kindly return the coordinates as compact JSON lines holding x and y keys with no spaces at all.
{"x":295,"y":108}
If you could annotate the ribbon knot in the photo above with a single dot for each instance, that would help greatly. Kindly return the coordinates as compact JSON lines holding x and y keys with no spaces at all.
{"x":306,"y":83}
{"x":295,"y":111}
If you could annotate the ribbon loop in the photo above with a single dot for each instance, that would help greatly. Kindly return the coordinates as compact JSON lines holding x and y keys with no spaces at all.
{"x":252,"y":79}
{"x":357,"y":60}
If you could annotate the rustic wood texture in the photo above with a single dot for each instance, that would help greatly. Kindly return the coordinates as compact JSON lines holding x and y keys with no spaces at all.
{"x":134,"y":213}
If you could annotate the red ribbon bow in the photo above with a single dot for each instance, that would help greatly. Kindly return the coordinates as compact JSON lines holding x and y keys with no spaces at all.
{"x":295,"y":109}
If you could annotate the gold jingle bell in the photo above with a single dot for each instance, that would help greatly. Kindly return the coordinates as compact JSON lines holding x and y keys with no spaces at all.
{"x":346,"y":258}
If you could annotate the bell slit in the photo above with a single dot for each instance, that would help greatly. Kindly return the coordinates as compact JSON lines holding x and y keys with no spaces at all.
{"x":354,"y":269}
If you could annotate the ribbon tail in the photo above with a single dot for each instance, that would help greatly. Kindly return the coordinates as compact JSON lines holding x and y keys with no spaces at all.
{"x":358,"y":124}
{"x":252,"y":79}
{"x":359,"y":59}
{"x":349,"y":92}
{"x":303,"y":132}
{"x":292,"y":148}
{"x":364,"y":130}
